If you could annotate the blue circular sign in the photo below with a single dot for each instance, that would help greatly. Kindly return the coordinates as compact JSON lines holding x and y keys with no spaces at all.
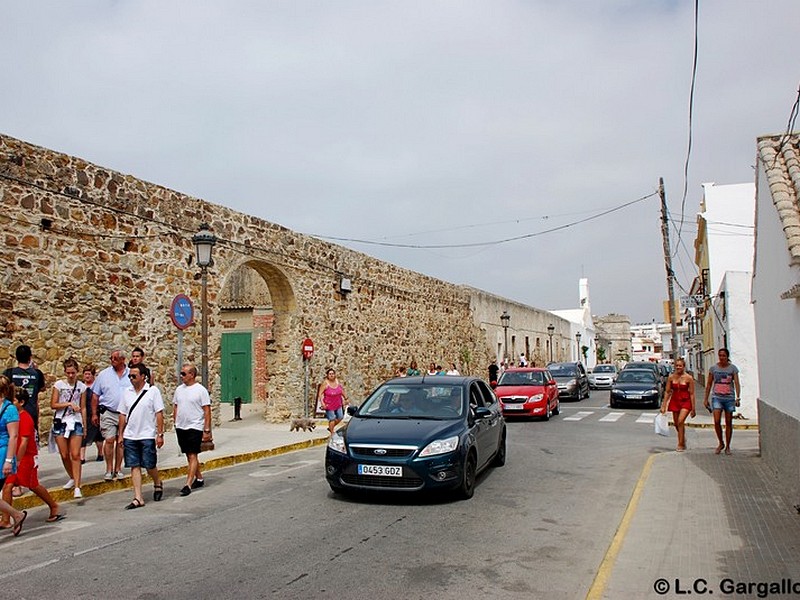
{"x":182,"y":311}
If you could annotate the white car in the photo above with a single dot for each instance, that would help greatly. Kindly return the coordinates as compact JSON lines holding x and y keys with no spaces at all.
{"x":602,"y":377}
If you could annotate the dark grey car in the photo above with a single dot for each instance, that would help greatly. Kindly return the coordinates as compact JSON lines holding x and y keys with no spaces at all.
{"x":572,"y":380}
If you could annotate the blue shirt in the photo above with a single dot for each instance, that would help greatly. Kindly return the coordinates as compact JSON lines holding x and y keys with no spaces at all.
{"x":10,"y":415}
{"x":110,"y":387}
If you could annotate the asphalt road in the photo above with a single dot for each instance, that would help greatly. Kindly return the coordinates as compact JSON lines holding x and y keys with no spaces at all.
{"x":536,"y":528}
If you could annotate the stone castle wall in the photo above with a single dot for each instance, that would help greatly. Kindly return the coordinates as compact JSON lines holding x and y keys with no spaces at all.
{"x":91,"y":260}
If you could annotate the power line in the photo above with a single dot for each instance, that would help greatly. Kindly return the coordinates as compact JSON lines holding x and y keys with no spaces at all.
{"x":490,"y":243}
{"x":691,"y":117}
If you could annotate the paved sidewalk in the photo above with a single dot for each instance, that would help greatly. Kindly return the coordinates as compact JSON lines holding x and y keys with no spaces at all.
{"x":235,"y":442}
{"x":704,"y":521}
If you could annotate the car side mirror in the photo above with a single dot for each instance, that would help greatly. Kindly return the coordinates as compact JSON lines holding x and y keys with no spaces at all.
{"x":493,"y":384}
{"x":352,"y":410}
{"x":481,"y":412}
{"x":552,"y":382}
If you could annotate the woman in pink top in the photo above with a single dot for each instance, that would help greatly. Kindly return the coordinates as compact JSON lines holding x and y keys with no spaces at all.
{"x":333,"y":398}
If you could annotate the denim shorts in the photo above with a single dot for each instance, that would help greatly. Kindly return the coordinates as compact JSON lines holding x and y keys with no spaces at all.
{"x":140,"y":453}
{"x":726,"y":404}
{"x":61,"y":431}
{"x":332,"y":415}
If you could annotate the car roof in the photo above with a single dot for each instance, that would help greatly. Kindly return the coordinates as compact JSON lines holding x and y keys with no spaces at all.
{"x":432,"y":379}
{"x":524,"y":369}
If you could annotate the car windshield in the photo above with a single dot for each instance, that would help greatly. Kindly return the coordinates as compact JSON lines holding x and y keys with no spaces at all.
{"x":603,"y":369}
{"x":425,"y":401}
{"x":563,"y":370}
{"x":636,"y":376}
{"x":522,"y":378}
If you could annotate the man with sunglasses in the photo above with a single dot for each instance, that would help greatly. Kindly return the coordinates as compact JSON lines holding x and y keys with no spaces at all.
{"x":141,"y":432}
{"x":191,"y":411}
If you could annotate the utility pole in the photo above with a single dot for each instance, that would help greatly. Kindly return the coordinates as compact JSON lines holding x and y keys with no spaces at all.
{"x":668,"y":265}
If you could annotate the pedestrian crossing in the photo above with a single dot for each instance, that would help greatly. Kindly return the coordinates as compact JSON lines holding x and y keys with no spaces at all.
{"x":610,"y":417}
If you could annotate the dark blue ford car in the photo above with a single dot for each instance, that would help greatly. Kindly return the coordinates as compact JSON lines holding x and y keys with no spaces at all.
{"x":419,"y":433}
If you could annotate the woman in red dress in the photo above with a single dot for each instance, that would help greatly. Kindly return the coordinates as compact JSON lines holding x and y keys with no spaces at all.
{"x":679,"y":400}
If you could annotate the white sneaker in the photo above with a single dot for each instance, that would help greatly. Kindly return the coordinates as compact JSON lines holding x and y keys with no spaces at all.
{"x":108,"y":476}
{"x":69,"y":485}
{"x":120,"y":475}
{"x":77,"y":493}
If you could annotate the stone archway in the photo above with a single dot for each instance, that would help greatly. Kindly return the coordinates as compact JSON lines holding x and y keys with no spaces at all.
{"x":257,"y":297}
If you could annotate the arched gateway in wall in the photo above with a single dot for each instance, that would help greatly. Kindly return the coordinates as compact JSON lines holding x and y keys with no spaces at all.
{"x":257,"y":323}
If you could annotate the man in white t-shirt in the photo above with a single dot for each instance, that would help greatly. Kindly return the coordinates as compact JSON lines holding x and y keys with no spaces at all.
{"x":141,"y":431}
{"x":191,"y":410}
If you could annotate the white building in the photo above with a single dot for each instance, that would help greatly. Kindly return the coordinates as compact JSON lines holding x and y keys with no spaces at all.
{"x":724,"y":250}
{"x":582,"y":327}
{"x":776,"y":302}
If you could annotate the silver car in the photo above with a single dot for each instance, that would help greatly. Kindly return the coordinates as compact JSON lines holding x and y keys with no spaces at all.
{"x":602,"y":377}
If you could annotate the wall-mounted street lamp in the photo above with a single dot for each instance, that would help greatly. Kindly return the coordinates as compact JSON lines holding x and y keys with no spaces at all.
{"x":578,"y":340}
{"x":504,"y":319}
{"x":204,"y":242}
{"x":550,"y":330}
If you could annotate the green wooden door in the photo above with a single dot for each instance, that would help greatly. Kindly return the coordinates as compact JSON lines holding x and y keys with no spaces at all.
{"x":237,"y":367}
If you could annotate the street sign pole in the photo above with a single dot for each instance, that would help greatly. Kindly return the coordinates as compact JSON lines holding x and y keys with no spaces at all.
{"x":307,"y":350}
{"x":305,"y":394}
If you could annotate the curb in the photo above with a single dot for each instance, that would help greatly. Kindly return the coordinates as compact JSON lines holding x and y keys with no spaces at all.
{"x":97,"y":488}
{"x":736,"y":426}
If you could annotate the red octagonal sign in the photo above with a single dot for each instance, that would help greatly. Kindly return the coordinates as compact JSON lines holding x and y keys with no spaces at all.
{"x":308,"y":348}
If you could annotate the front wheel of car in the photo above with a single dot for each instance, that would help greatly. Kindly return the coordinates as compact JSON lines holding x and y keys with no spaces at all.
{"x":547,"y":412}
{"x":500,"y":457}
{"x":467,"y":488}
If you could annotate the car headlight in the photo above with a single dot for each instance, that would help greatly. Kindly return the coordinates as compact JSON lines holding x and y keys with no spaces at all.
{"x":536,"y":398}
{"x":336,"y":442}
{"x":617,"y":392}
{"x":653,"y":391}
{"x":440,"y":447}
{"x":573,"y":382}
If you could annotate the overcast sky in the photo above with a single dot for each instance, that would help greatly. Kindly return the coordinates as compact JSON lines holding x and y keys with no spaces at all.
{"x":422,"y":122}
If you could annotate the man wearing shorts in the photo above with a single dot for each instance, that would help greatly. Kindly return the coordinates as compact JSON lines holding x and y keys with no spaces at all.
{"x":191,"y":406}
{"x":723,"y":386}
{"x":141,"y":431}
{"x":107,"y":392}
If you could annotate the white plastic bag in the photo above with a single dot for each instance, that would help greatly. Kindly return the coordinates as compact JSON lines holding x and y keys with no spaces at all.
{"x":661,"y":424}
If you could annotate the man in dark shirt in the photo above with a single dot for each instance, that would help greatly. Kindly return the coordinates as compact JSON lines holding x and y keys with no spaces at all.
{"x":25,"y":375}
{"x":493,"y":370}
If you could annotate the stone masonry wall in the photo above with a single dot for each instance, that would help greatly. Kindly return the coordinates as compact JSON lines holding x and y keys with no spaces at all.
{"x":91,"y":260}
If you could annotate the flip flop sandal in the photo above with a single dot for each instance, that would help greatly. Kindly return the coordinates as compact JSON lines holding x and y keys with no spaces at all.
{"x":18,"y":525}
{"x":54,"y":518}
{"x":134,"y":504}
{"x":158,"y":492}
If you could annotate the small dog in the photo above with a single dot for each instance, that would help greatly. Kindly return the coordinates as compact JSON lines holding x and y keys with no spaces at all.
{"x":302,"y":423}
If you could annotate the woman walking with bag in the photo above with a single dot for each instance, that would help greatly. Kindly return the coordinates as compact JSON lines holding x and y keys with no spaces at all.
{"x":679,"y":400}
{"x":69,"y":407}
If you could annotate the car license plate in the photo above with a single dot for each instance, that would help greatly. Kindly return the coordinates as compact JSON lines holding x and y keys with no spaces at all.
{"x":383,"y":470}
{"x":513,"y":406}
{"x":635,"y":396}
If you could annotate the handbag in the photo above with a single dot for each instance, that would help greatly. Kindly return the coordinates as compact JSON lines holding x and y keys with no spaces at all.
{"x":207,"y":446}
{"x":661,"y":425}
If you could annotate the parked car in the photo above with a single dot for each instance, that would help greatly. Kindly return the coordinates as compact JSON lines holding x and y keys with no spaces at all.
{"x":571,"y":379}
{"x":651,"y":366}
{"x":636,"y":386}
{"x":602,"y":376}
{"x":418,"y":433}
{"x":528,"y":392}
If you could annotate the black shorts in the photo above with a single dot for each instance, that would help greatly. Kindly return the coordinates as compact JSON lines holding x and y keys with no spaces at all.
{"x":189,"y":440}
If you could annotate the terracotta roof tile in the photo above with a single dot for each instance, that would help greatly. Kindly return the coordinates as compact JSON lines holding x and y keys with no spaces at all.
{"x":780,"y":156}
